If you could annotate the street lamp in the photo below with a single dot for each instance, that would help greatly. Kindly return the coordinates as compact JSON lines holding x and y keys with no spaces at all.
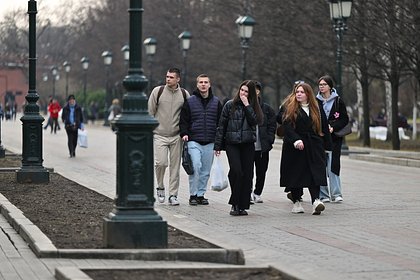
{"x":126,"y":52}
{"x":107,"y":56}
{"x":32,"y":170}
{"x":67,"y":68}
{"x":245,"y":28}
{"x":185,"y":38}
{"x":55,"y":76}
{"x":150,"y":46}
{"x":133,"y":223}
{"x":340,"y":11}
{"x":85,"y":66}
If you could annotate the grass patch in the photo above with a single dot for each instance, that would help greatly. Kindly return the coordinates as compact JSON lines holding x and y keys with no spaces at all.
{"x":405,"y":145}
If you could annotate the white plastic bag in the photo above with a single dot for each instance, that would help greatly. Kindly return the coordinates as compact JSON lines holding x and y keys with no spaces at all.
{"x":111,"y":115}
{"x":219,"y":180}
{"x":82,"y":138}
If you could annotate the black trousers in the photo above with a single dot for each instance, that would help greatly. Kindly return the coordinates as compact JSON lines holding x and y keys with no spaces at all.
{"x":298,"y":192}
{"x":71,"y":140}
{"x":241,"y":164}
{"x":54,"y":125}
{"x":261,"y":165}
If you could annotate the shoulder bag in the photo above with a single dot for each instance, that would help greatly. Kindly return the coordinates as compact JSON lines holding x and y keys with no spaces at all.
{"x":345,"y":130}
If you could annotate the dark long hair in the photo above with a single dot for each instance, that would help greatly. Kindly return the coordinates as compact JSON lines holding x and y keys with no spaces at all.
{"x":252,"y":98}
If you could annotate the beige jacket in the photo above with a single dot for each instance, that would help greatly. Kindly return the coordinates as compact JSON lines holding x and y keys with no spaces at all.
{"x":168,"y":110}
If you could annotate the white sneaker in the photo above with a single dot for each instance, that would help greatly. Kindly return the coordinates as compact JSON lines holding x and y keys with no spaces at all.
{"x":257,"y":198}
{"x":160,"y":195}
{"x":338,"y":199}
{"x":318,"y":207}
{"x":297,"y":208}
{"x":173,"y":200}
{"x":326,"y":199}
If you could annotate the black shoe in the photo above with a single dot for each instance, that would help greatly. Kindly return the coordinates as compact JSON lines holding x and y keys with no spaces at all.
{"x":202,"y":201}
{"x":193,"y":200}
{"x":243,"y":212}
{"x":234,"y":211}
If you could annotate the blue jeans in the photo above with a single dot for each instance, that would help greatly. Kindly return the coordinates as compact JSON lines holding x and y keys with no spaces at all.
{"x":334,"y":182}
{"x":202,"y":159}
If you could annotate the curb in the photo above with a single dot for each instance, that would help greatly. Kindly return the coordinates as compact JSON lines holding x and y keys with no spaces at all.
{"x":43,"y":247}
{"x":78,"y":273}
{"x":388,"y":160}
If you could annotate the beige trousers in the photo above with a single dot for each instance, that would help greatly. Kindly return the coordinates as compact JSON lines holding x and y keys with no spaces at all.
{"x":167,"y":152}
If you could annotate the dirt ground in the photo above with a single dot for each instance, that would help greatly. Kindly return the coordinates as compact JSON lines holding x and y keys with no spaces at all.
{"x":72,"y":216}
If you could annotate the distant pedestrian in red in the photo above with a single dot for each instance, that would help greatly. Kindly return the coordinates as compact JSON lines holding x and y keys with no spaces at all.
{"x":54,"y":108}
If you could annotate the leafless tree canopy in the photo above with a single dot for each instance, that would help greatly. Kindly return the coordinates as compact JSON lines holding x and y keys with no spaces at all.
{"x":292,"y":40}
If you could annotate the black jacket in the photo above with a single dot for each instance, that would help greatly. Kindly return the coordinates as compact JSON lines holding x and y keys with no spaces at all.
{"x":267,"y":130}
{"x":78,"y":116}
{"x":235,"y":126}
{"x":201,"y":126}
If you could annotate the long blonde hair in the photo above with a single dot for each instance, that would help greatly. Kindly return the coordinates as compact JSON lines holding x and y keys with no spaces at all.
{"x":292,"y":106}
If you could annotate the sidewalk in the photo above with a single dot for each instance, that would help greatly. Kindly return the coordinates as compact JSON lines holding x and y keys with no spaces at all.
{"x":372,"y":234}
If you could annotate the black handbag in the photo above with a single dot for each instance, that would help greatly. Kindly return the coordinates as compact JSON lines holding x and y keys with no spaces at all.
{"x":186,"y":160}
{"x":344,"y":131}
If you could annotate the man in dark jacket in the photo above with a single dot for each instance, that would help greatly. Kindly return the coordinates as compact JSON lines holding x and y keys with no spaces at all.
{"x":198,"y":122}
{"x":263,"y":145}
{"x":73,"y":120}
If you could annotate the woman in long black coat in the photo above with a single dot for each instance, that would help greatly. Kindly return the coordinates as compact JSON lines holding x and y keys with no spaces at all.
{"x":303,"y":162}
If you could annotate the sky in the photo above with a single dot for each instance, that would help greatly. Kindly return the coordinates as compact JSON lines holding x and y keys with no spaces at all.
{"x":10,"y":5}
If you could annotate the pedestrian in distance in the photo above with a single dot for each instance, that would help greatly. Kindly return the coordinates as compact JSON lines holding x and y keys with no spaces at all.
{"x":49,"y":120}
{"x":113,"y":111}
{"x":198,"y":122}
{"x":306,"y":137}
{"x":54,"y":109}
{"x":236,"y":134}
{"x":72,"y":117}
{"x":165,"y":104}
{"x":265,"y":134}
{"x":336,"y":112}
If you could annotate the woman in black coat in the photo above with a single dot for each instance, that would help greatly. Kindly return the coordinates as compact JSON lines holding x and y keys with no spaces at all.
{"x":236,"y":134}
{"x":303,"y":153}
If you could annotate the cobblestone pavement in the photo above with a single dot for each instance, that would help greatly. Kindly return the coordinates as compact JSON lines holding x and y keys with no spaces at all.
{"x":373,"y":234}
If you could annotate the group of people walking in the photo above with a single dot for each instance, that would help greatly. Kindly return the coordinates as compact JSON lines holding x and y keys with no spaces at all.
{"x":244,"y":127}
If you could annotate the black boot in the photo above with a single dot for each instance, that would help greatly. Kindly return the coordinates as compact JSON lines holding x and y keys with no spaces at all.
{"x":234,"y":211}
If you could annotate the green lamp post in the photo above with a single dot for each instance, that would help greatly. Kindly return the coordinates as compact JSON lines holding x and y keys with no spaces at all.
{"x":107,"y":56}
{"x":67,"y":68}
{"x":245,"y":28}
{"x":185,"y":39}
{"x":340,"y":11}
{"x":85,"y":65}
{"x":32,"y":170}
{"x":150,"y":47}
{"x":134,"y":223}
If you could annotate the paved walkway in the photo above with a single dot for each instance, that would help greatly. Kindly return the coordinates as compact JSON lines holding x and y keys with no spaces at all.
{"x":373,"y":234}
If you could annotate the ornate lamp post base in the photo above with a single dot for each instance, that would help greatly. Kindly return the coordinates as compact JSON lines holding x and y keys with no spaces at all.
{"x":32,"y":176}
{"x":135,"y":230}
{"x":32,"y":170}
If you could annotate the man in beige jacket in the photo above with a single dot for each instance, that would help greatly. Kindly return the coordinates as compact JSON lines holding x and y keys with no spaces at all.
{"x":165,"y":103}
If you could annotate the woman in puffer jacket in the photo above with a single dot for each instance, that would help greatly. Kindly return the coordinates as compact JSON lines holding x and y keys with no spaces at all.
{"x":236,"y":133}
